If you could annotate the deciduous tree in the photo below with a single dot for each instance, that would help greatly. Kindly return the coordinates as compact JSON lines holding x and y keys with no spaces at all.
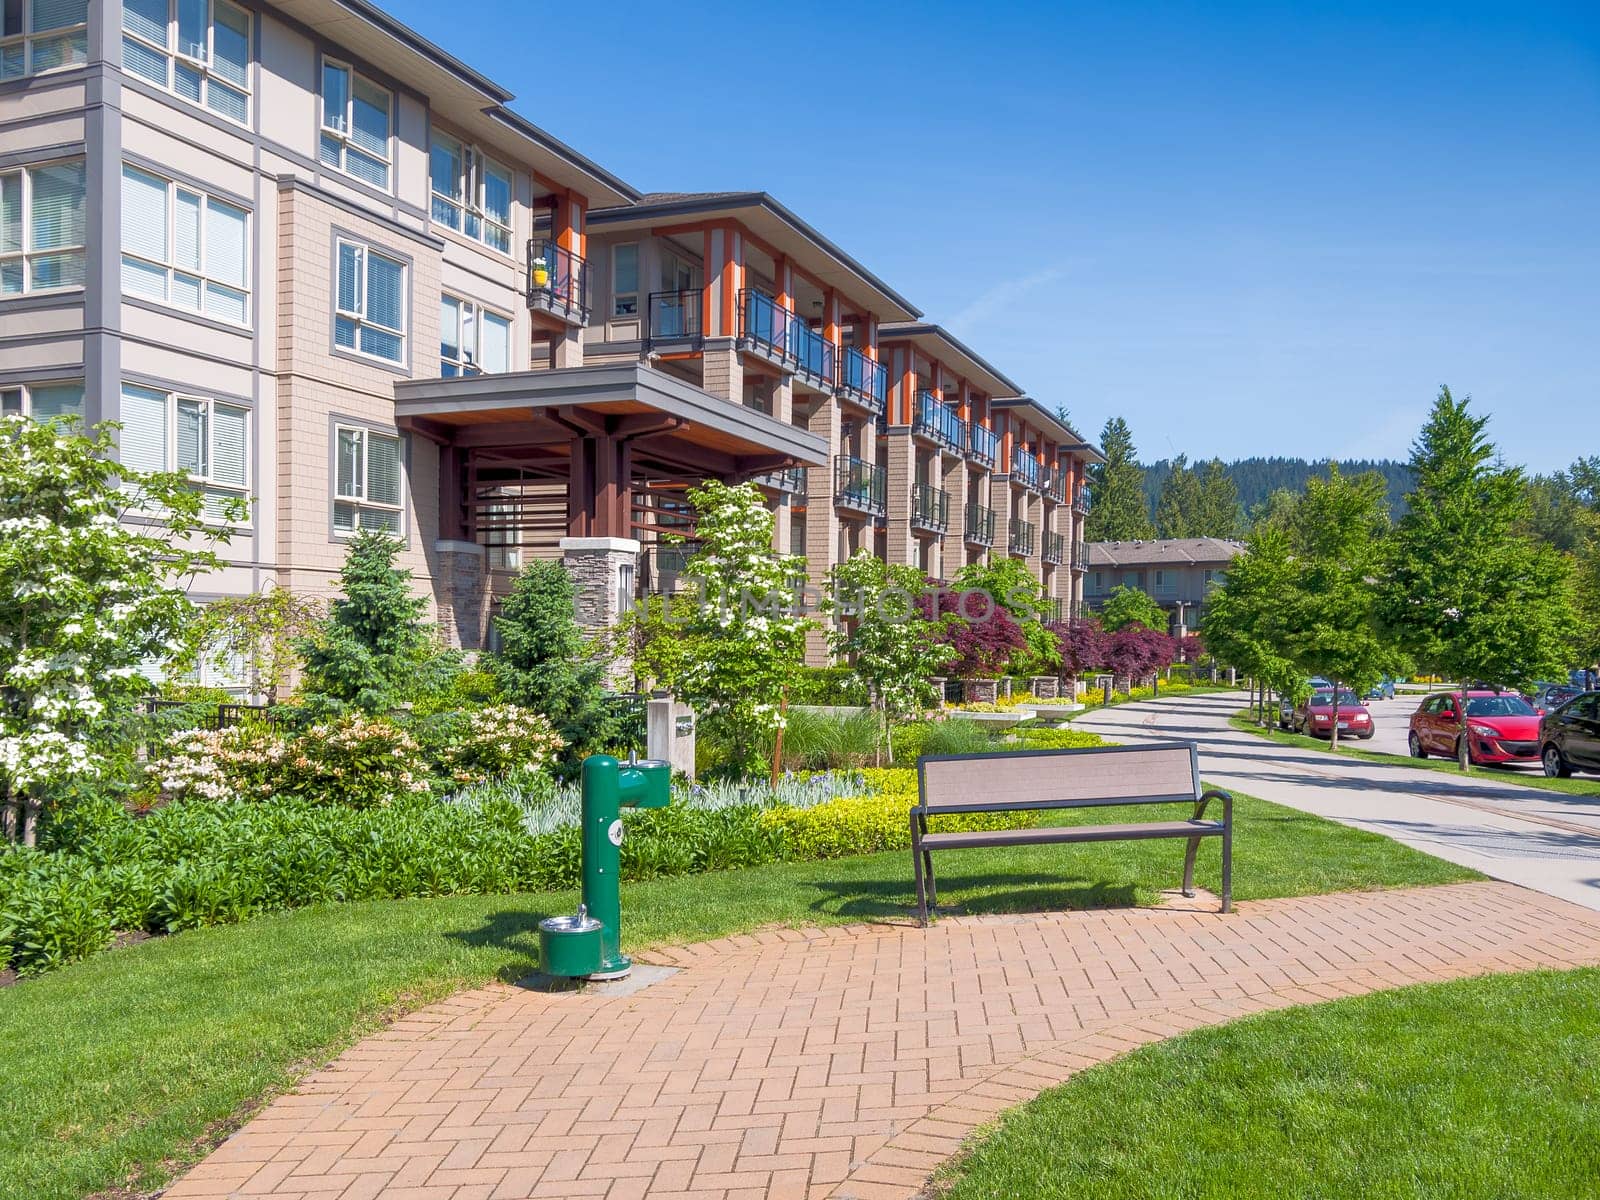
{"x":1129,"y":606}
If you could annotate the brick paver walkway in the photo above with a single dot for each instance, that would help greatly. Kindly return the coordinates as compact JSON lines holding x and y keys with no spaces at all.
{"x":840,"y":1062}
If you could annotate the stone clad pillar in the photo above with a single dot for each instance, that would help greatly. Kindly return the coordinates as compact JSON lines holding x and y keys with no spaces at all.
{"x":603,"y":570}
{"x":461,"y":592}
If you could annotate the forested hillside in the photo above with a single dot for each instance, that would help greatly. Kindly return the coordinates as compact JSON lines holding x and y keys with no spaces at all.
{"x":1257,"y":478}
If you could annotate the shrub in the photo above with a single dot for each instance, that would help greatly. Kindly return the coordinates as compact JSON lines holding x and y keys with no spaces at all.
{"x":957,"y":737}
{"x":489,"y":742}
{"x":1056,"y":739}
{"x":817,"y":741}
{"x":827,"y":685}
{"x":867,"y":824}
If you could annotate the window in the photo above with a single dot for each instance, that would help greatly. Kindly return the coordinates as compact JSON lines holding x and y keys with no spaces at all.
{"x":198,"y":50}
{"x":42,"y":35}
{"x":1099,"y":581}
{"x":625,"y":279}
{"x":369,"y":303}
{"x":471,"y":192}
{"x":366,"y":487}
{"x":183,"y":247}
{"x":208,"y":440}
{"x":1166,"y":583}
{"x":43,"y":401}
{"x":502,"y":535}
{"x":355,"y":124}
{"x":678,"y":274}
{"x":41,"y":228}
{"x":472,"y":340}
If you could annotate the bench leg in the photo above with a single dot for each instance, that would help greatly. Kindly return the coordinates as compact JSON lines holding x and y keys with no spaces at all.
{"x":1227,"y":868}
{"x":917,"y":857}
{"x":933,"y":882}
{"x":1188,"y":866}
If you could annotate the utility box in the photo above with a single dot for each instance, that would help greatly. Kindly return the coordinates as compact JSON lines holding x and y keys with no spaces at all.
{"x":669,"y":733}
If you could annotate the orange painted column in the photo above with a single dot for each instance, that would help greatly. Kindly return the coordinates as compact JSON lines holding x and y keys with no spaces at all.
{"x":964,"y":402}
{"x":867,"y":343}
{"x":567,"y":223}
{"x":784,"y":281}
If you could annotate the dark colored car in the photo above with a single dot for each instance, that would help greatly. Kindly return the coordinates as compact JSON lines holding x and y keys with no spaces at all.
{"x":1548,"y":697}
{"x":1502,"y":727}
{"x":1569,"y":738}
{"x":1316,"y":715}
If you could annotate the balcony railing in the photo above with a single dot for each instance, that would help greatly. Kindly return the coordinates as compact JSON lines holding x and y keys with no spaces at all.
{"x":1055,"y":484}
{"x":1080,"y":556}
{"x":980,"y":525}
{"x":676,"y":316}
{"x":1025,"y":468}
{"x":983,"y":445}
{"x":1055,"y":548}
{"x":938,"y":421}
{"x":930,"y":508}
{"x":558,"y":281}
{"x":863,"y":381}
{"x":790,"y":479}
{"x":813,"y":354}
{"x":1082,"y":502}
{"x":785,"y":338}
{"x":1020,"y":537}
{"x":860,"y":485}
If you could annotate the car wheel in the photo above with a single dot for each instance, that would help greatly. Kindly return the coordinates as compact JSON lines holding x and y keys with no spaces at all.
{"x":1367,"y":736}
{"x":1415,"y":743}
{"x":1555,"y":763}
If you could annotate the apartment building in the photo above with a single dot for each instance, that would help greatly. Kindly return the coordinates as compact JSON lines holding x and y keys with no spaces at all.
{"x":313,"y":260}
{"x":1177,"y":573}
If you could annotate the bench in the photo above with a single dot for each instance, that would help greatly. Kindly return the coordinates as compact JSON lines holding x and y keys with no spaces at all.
{"x":1043,"y":780}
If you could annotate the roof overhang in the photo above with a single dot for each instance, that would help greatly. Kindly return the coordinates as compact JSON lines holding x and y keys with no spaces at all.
{"x":1037,"y":414}
{"x":461,"y":95}
{"x":779,"y":228}
{"x":939,"y":343}
{"x":667,"y":419}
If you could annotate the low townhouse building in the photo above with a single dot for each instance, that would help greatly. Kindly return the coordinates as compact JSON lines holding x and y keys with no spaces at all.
{"x":313,"y":260}
{"x":1177,"y":573}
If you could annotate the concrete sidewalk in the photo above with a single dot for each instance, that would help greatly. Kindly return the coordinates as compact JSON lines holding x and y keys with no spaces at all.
{"x":1545,"y":840}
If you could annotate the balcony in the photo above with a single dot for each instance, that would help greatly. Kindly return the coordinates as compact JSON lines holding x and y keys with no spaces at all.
{"x":558,"y":282}
{"x":1025,"y":469}
{"x":938,"y":422}
{"x":1055,"y":548}
{"x":980,"y":525}
{"x":860,"y":485}
{"x":1020,"y":537}
{"x":769,"y":329}
{"x":983,"y":446}
{"x":790,"y":480}
{"x":1081,"y":501}
{"x":1055,"y":484}
{"x":1080,"y":556}
{"x":930,"y":508}
{"x":863,"y":382}
{"x":675,"y":317}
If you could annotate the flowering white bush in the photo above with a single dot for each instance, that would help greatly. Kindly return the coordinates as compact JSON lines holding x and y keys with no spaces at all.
{"x":241,"y":763}
{"x":85,"y":599}
{"x":496,"y":740}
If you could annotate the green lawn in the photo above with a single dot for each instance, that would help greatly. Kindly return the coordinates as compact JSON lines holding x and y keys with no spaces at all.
{"x":1246,"y":723}
{"x":118,"y":1068}
{"x":1479,"y":1088}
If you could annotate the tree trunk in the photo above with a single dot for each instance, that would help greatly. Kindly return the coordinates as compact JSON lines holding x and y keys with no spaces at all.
{"x":8,"y":818}
{"x":1463,"y":745}
{"x":1333,"y":723}
{"x":30,"y":821}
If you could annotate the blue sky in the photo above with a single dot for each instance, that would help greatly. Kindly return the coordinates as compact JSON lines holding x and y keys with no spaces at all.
{"x":1247,"y":228}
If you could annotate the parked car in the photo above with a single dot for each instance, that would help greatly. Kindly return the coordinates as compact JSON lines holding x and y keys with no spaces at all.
{"x":1548,"y":697}
{"x":1502,"y":727}
{"x":1315,"y":715}
{"x":1287,"y":705}
{"x":1569,"y":738}
{"x":1382,"y":690}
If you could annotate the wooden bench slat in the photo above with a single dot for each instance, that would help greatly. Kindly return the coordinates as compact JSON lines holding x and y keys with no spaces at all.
{"x":1056,"y":834}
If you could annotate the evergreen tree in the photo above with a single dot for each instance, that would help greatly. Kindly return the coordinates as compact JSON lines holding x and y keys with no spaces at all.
{"x":1119,"y":512}
{"x":1178,"y":508}
{"x":373,"y":650}
{"x":1469,"y":597}
{"x":543,"y":662}
{"x":1219,"y":515}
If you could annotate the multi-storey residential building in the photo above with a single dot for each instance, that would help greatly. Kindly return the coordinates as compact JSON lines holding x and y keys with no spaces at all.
{"x":313,"y":260}
{"x":1177,"y":573}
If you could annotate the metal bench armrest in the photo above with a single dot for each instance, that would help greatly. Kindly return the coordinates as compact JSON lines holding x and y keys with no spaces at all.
{"x":1215,"y":794}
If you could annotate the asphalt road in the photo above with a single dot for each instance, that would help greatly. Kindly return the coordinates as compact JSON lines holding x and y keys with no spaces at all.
{"x":1545,"y":840}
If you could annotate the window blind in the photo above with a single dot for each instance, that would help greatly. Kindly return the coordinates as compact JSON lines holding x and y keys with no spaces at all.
{"x":229,"y":437}
{"x":186,"y":231}
{"x":383,"y":469}
{"x":230,"y":43}
{"x":143,"y":444}
{"x":385,"y":292}
{"x":57,"y":205}
{"x":349,"y":294}
{"x":10,"y":213}
{"x":190,"y":431}
{"x":54,"y":400}
{"x":58,"y":14}
{"x":370,"y":118}
{"x":496,"y":343}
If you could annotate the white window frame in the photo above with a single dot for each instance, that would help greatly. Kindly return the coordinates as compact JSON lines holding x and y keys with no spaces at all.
{"x":29,"y":37}
{"x":204,"y":481}
{"x":27,"y":253}
{"x":204,"y":68}
{"x":23,"y":392}
{"x":341,"y":132}
{"x":471,"y":362}
{"x":470,"y":201}
{"x":360,"y":318}
{"x":616,"y":296}
{"x":205,"y":278}
{"x":362,"y":501}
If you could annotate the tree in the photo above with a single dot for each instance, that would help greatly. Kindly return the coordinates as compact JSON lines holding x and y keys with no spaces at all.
{"x":1120,"y":512}
{"x":892,"y":646}
{"x":1082,"y":644}
{"x":1246,"y":623}
{"x":544,"y":662}
{"x":87,"y":597}
{"x":752,"y":638}
{"x":264,"y":630}
{"x":1014,"y":588}
{"x":1468,"y":596}
{"x":1136,"y":651}
{"x":1129,"y":606}
{"x":981,"y":632}
{"x":1217,"y":513}
{"x":373,"y":650}
{"x":1337,"y":538}
{"x":1178,"y":507}
{"x":1276,"y":510}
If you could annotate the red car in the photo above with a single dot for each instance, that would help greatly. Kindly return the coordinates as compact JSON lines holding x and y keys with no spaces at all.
{"x":1315,"y":715}
{"x":1502,"y":727}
